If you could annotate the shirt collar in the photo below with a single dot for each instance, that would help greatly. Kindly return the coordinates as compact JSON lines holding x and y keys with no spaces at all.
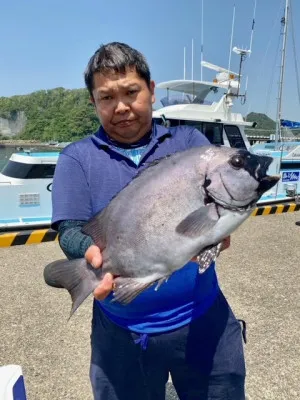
{"x":158,"y":132}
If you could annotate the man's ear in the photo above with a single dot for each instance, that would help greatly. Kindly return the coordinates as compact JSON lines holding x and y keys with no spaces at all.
{"x":152,"y":90}
{"x":92,"y":100}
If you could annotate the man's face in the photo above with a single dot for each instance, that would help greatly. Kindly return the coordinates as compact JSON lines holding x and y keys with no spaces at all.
{"x":123,"y":104}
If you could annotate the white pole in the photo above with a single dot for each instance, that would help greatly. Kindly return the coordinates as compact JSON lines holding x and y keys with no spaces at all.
{"x":231,"y":39}
{"x":252,"y":29}
{"x":282,"y":67}
{"x":202,"y":44}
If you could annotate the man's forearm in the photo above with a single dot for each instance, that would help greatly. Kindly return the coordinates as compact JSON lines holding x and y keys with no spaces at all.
{"x":72,"y":241}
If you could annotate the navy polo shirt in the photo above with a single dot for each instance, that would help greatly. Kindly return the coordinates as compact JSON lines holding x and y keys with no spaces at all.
{"x":89,"y":173}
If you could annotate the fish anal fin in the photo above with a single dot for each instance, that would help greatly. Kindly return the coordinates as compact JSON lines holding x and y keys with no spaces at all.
{"x":127,"y":289}
{"x":199,"y":222}
{"x":207,"y":256}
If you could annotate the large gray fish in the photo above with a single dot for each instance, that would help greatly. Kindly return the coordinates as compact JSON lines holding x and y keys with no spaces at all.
{"x":180,"y":207}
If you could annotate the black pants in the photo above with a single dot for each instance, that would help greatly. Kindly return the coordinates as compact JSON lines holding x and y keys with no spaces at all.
{"x":205,"y":359}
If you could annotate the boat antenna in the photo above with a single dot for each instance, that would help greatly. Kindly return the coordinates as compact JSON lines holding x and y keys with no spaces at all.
{"x":243,"y":53}
{"x":250,"y":46}
{"x":252,"y":29}
{"x":202,"y":38}
{"x":231,"y":40}
{"x":284,"y":24}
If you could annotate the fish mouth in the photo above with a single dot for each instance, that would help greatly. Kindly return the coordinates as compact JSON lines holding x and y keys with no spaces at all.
{"x":209,"y":199}
{"x":266,"y":183}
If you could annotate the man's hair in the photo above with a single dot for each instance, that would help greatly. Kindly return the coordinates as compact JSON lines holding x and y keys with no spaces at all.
{"x":117,"y":57}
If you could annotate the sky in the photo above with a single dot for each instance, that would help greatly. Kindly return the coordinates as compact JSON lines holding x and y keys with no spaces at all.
{"x":47,"y":43}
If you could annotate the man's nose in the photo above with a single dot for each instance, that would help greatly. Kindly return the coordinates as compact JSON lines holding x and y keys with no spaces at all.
{"x":121,"y":106}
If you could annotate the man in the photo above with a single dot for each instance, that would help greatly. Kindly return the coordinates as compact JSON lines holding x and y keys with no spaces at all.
{"x":186,"y":328}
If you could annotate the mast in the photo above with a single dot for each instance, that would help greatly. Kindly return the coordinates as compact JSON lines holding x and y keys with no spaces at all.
{"x":284,"y":23}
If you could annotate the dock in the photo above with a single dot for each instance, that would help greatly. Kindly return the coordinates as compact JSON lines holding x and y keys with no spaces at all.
{"x":259,"y":275}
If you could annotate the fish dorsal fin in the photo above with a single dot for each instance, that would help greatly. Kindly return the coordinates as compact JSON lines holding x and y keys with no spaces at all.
{"x":199,"y":222}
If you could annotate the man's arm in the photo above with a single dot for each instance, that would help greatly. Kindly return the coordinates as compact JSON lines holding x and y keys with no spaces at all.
{"x":72,"y":241}
{"x":70,"y":190}
{"x":71,"y":209}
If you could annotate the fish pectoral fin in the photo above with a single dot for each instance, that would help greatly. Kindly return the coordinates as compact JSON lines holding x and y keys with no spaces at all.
{"x":127,"y":289}
{"x":77,"y":276}
{"x":198,"y":222}
{"x":207,"y":256}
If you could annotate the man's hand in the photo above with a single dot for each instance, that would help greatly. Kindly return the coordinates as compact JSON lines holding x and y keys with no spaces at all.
{"x":226,"y":243}
{"x":94,"y":257}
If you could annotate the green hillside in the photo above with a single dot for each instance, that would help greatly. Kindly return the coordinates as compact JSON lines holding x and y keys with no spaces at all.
{"x":263,"y":122}
{"x":57,"y":114}
{"x":265,"y":126}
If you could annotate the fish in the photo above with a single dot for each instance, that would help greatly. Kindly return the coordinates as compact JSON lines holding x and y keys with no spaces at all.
{"x":179,"y":208}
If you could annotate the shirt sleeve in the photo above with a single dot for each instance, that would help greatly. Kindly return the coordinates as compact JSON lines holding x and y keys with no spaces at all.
{"x":72,"y":241}
{"x":196,"y":138}
{"x":70,"y":191}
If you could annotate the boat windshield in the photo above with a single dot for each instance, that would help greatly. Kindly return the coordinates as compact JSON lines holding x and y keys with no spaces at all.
{"x":20,"y":170}
{"x":183,"y":99}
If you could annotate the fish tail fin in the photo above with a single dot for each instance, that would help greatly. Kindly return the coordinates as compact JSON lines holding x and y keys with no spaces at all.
{"x":77,"y":276}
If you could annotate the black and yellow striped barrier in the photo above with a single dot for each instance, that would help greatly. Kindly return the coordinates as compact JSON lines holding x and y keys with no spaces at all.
{"x":275,"y":209}
{"x":8,"y":239}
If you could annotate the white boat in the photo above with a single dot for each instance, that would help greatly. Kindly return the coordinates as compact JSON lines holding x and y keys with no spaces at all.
{"x":25,"y":190}
{"x":214,"y":118}
{"x":285,"y":152}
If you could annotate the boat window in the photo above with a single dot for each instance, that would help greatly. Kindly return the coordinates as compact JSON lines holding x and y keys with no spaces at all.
{"x":290,"y":164}
{"x":235,"y":137}
{"x":19,"y":170}
{"x":213,"y":131}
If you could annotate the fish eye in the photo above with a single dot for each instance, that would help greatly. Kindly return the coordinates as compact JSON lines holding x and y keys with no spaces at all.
{"x":237,"y":161}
